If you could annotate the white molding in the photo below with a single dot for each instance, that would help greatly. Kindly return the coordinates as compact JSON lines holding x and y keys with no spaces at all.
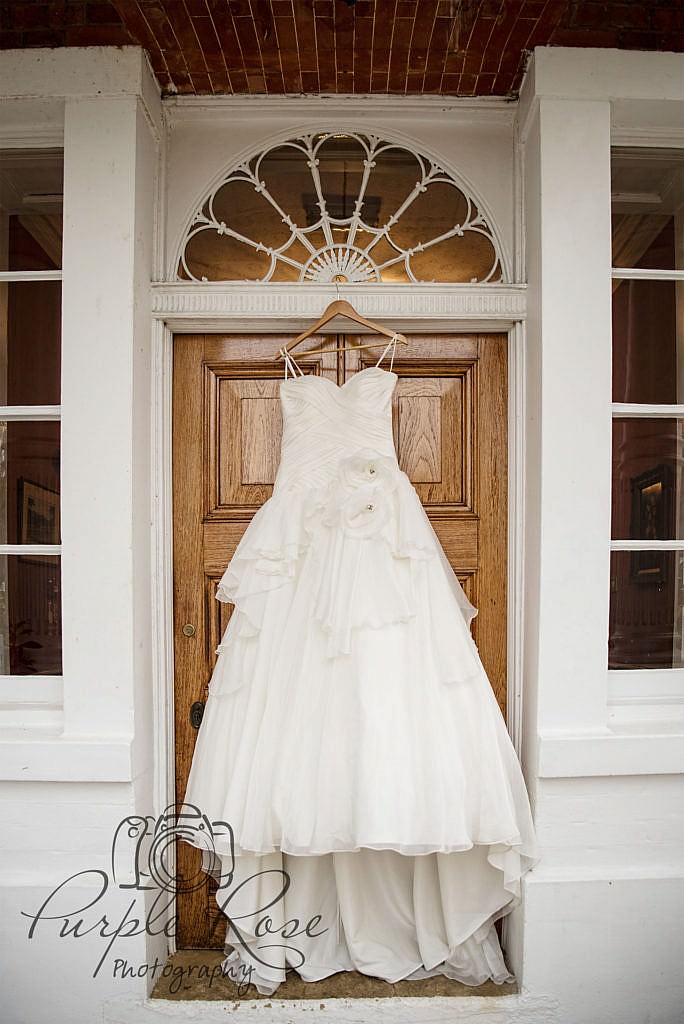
{"x":30,"y":275}
{"x":162,"y":564}
{"x":31,"y":688}
{"x":663,"y":137}
{"x":149,"y":100}
{"x":161,"y":553}
{"x":31,"y":702}
{"x":30,"y":412}
{"x":31,"y":549}
{"x":160,"y":212}
{"x":516,"y":533}
{"x":32,"y":136}
{"x":651,"y":748}
{"x":633,"y":273}
{"x":249,"y":306}
{"x":638,"y":410}
{"x":527,"y":109}
{"x":47,"y":755}
{"x":647,"y":545}
{"x":580,"y":873}
{"x":645,"y":687}
{"x":519,"y":257}
{"x":35,"y":715}
{"x":192,"y":110}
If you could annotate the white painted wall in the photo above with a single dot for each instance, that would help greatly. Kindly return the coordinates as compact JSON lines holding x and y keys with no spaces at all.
{"x":603,"y":908}
{"x":67,"y":787}
{"x":597,"y":935}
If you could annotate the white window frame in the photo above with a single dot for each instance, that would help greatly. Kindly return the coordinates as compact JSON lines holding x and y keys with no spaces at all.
{"x":42,"y":693}
{"x":661,"y":689}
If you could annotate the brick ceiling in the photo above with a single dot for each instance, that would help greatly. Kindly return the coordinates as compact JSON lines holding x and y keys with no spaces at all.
{"x":450,"y":47}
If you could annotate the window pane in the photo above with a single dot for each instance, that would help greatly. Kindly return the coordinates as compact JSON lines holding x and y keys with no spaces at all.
{"x":646,"y":608}
{"x":648,"y":464}
{"x":30,"y":342}
{"x":340,"y":166}
{"x":30,"y":615}
{"x":31,"y":186}
{"x":648,"y":348}
{"x":647,"y":200}
{"x":29,"y":482}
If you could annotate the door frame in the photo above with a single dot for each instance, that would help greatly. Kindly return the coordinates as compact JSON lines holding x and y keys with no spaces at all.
{"x":171,"y":317}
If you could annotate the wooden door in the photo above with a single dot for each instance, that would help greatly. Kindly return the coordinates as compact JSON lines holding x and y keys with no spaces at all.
{"x":450,"y":431}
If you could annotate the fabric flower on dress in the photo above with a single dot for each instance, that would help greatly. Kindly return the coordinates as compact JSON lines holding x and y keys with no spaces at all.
{"x":365,"y":512}
{"x":365,"y":467}
{"x":359,"y":498}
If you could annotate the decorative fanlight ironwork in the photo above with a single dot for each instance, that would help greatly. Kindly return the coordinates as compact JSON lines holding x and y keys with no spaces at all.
{"x":343,"y":207}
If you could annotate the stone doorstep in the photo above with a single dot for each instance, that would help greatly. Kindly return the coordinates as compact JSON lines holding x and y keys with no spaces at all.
{"x":519,"y":1008}
{"x":343,"y":985}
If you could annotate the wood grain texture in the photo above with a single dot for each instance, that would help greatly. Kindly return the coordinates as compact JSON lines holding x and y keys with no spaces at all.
{"x":420,"y":441}
{"x":190,"y":425}
{"x":450,"y":430}
{"x":493,"y":510}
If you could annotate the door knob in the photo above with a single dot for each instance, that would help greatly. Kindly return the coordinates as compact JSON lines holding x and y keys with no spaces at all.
{"x":189,"y":629}
{"x":196,"y":714}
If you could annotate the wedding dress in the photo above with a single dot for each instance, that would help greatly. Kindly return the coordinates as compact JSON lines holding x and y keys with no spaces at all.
{"x":377,"y":816}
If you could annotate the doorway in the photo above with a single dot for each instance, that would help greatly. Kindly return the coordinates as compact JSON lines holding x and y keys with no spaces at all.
{"x":450,"y":429}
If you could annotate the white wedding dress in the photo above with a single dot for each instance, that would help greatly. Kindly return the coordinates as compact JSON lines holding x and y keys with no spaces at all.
{"x":351,"y":738}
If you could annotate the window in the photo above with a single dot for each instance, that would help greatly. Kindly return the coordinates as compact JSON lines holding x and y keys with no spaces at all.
{"x":647,"y":559}
{"x":30,"y":367}
{"x":339,"y":207}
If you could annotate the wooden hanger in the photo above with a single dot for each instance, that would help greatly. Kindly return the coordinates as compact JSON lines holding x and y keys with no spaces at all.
{"x":340,"y":307}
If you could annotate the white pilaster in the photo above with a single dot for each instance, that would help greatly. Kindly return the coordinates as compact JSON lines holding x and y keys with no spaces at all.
{"x":567,"y":168}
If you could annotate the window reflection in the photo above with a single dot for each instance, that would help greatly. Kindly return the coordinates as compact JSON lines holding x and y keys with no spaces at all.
{"x":30,"y":368}
{"x":647,"y":597}
{"x":648,"y":344}
{"x":30,"y":615}
{"x":648,"y":485}
{"x":647,"y":187}
{"x":31,"y":185}
{"x":30,"y":482}
{"x":30,"y":311}
{"x":31,"y":333}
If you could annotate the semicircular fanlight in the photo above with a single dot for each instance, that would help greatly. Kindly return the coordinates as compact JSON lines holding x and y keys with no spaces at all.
{"x":343,"y":207}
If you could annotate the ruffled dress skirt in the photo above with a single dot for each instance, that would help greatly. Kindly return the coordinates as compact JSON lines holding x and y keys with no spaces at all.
{"x":375,"y":813}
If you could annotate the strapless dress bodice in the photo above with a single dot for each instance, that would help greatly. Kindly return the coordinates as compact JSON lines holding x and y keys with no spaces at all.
{"x":324,"y":422}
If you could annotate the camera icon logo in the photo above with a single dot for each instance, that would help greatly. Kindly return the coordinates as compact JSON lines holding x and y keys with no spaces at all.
{"x":148,"y":847}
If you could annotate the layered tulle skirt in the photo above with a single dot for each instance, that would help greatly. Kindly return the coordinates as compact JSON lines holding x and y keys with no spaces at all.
{"x":352,"y":742}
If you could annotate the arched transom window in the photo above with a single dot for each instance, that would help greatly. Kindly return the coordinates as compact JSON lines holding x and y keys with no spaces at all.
{"x":343,"y":207}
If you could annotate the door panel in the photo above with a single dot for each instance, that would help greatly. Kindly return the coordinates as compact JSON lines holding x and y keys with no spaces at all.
{"x":450,"y":430}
